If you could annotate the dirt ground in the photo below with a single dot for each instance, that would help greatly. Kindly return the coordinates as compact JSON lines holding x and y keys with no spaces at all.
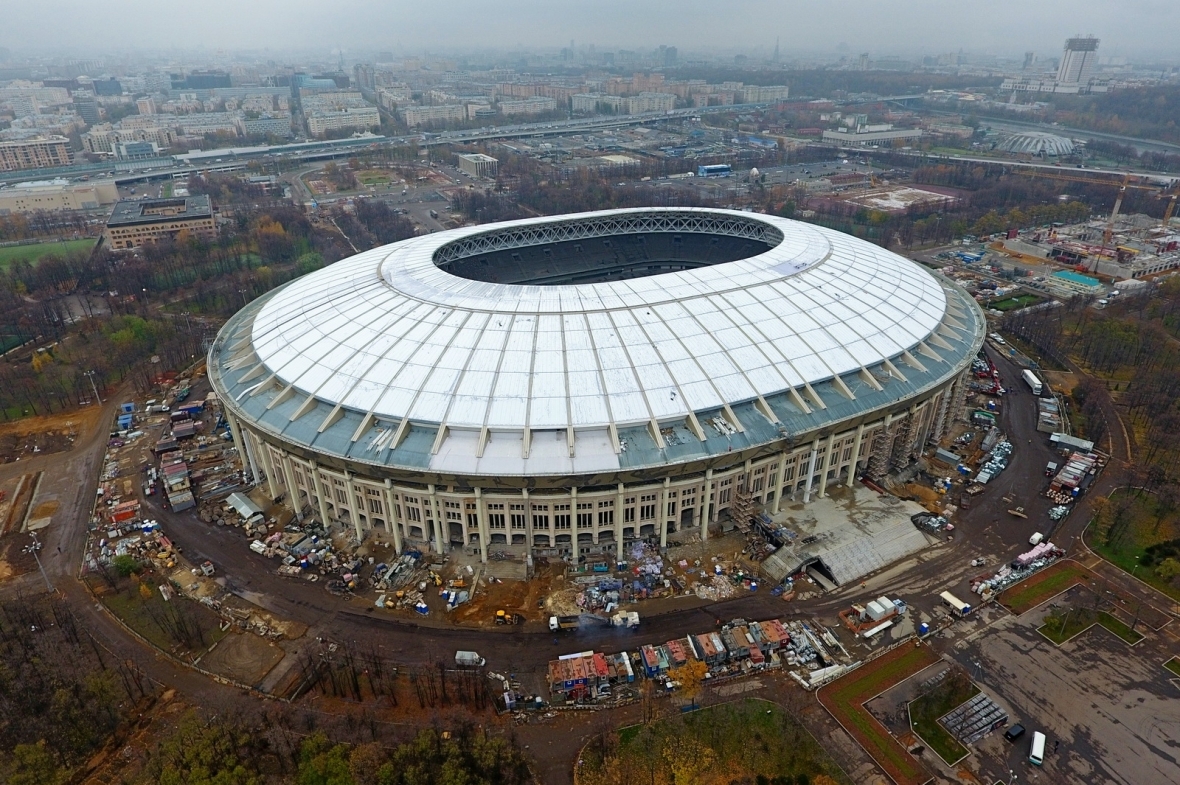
{"x":515,"y":597}
{"x":45,"y":435}
{"x":1061,"y":381}
{"x":17,"y":493}
{"x":243,"y":657}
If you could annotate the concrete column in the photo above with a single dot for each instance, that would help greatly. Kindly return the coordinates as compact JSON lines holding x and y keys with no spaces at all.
{"x":350,"y":492}
{"x":780,"y":481}
{"x":619,"y":523}
{"x":810,"y":471}
{"x":271,"y":474}
{"x":240,"y":445}
{"x":528,"y":522}
{"x":860,"y":433}
{"x":318,"y":485}
{"x":662,"y":513}
{"x":481,"y":512}
{"x":704,"y":520}
{"x":255,"y":475}
{"x":393,"y":523}
{"x":574,"y":524}
{"x":438,"y":531}
{"x":828,"y":462}
{"x":292,"y":488}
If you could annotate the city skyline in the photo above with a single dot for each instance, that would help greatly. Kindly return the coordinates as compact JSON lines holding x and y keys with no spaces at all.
{"x":1005,"y":28}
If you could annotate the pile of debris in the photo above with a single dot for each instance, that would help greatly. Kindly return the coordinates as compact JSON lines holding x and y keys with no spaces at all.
{"x":928,"y":521}
{"x":997,"y":461}
{"x":1022,"y":566}
{"x":1059,"y":512}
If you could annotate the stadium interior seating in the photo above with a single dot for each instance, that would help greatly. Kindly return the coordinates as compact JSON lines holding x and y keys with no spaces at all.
{"x":600,"y":259}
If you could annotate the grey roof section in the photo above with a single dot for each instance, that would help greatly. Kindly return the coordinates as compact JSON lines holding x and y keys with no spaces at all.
{"x":735,"y":417}
{"x":130,"y":212}
{"x":1037,"y":143}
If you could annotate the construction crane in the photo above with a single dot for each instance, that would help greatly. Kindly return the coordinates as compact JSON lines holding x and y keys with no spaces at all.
{"x":1108,"y":232}
{"x":1169,"y":209}
{"x":1164,"y":190}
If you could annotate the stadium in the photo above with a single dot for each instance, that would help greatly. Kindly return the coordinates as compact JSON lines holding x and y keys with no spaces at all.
{"x":565,"y":385}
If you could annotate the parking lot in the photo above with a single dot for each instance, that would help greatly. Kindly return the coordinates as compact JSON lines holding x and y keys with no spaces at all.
{"x":1109,"y":710}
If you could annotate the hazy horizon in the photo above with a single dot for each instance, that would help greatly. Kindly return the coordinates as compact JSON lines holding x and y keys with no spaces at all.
{"x":1138,"y":29}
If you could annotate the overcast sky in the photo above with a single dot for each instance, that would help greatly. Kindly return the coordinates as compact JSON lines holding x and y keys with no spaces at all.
{"x":1007,"y":27}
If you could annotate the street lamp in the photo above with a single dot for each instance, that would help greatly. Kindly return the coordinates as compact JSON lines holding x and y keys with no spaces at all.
{"x":90,"y":375}
{"x":32,"y":548}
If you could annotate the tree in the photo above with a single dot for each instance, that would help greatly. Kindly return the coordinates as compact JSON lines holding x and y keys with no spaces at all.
{"x":691,"y":676}
{"x":203,"y":752}
{"x":687,"y":758}
{"x":1166,"y":500}
{"x":124,"y":565}
{"x":31,"y":764}
{"x":323,"y":763}
{"x":1168,"y":569}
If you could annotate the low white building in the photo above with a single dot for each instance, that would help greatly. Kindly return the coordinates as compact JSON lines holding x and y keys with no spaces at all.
{"x":860,"y":138}
{"x":447,"y":113}
{"x":351,"y":119}
{"x":478,"y":165}
{"x":527,"y":106}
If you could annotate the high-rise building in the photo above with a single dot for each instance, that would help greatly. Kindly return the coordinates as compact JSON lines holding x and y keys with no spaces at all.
{"x":86,"y":106}
{"x":146,"y":105}
{"x":1081,"y":54}
{"x":108,"y":86}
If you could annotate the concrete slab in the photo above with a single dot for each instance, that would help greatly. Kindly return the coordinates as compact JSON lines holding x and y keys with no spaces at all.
{"x":851,"y":532}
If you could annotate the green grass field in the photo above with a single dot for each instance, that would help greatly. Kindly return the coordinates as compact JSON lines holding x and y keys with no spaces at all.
{"x":33,"y":253}
{"x":1173,"y":665}
{"x":1047,"y":583}
{"x":1013,"y":303}
{"x":1146,"y":528}
{"x":846,"y":697}
{"x":1060,"y":627}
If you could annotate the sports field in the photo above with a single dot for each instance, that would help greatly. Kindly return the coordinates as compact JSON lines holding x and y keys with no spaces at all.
{"x":33,"y":253}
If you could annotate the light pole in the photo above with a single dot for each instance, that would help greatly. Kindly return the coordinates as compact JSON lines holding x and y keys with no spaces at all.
{"x":32,"y":548}
{"x":90,"y":375}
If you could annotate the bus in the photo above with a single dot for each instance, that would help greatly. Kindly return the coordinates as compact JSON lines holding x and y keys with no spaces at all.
{"x":954,"y":603}
{"x":1037,"y":755}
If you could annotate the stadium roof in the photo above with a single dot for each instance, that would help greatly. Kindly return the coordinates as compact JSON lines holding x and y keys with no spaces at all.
{"x":388,"y":335}
{"x":1037,"y":143}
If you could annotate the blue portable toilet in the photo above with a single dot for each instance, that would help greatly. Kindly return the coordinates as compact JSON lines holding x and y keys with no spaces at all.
{"x":923,"y":628}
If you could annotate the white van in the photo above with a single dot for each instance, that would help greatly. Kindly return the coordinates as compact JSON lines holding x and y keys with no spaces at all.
{"x":1037,"y":756}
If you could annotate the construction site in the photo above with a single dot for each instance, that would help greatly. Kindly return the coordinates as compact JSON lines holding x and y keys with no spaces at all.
{"x":1118,"y":247}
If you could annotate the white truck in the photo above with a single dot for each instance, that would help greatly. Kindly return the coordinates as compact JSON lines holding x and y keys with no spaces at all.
{"x":469,"y":659}
{"x":1032,"y":381}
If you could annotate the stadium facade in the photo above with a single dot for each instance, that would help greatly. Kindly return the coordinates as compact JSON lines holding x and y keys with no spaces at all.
{"x":568,"y":384}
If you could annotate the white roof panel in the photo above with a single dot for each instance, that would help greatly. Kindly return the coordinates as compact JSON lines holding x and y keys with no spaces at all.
{"x":390,"y":331}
